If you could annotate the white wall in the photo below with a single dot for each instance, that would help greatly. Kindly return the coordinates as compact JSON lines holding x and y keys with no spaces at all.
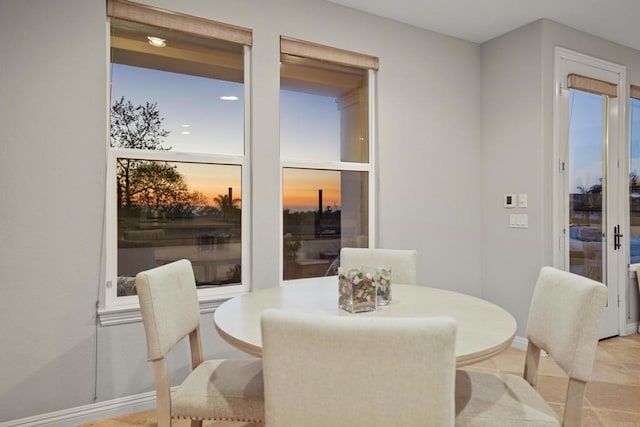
{"x":52,"y":159}
{"x":53,"y":113}
{"x":512,"y":162}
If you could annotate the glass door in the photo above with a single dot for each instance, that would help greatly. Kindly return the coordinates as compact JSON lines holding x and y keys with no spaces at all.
{"x":592,"y":191}
{"x":587,"y":194}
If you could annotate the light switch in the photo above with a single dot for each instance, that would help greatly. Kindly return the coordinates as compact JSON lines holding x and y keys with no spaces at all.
{"x":522,"y":200}
{"x":519,"y":221}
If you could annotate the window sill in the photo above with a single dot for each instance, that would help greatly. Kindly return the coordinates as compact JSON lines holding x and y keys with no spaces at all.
{"x":131,"y":314}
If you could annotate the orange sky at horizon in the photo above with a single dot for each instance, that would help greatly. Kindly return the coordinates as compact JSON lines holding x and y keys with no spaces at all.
{"x":300,"y":189}
{"x":212,"y":180}
{"x":300,"y":186}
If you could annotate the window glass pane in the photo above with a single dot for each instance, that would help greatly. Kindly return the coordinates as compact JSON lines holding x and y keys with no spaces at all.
{"x":323,"y":111}
{"x":309,"y":126}
{"x":324,"y":210}
{"x":173,"y":210}
{"x":634,"y":180}
{"x":194,"y":85}
{"x":586,"y":169}
{"x":179,"y":93}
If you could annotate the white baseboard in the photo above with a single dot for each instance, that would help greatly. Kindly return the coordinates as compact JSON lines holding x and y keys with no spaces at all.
{"x":518,"y":342}
{"x":91,"y":412}
{"x":521,"y":343}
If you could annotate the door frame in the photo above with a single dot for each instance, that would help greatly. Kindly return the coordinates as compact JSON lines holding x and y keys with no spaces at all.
{"x":618,"y":145}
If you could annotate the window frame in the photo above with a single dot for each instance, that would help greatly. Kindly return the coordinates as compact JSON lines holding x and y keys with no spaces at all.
{"x":124,"y":309}
{"x":343,"y":57}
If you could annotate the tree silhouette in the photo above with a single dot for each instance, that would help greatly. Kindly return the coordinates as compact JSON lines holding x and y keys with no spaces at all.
{"x":134,"y":127}
{"x":633,"y":181}
{"x":158,"y":185}
{"x":226,"y":205}
{"x":197,"y":198}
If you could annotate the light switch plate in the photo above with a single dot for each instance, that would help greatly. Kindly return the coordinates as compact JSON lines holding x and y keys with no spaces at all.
{"x":519,"y":221}
{"x":523,"y":200}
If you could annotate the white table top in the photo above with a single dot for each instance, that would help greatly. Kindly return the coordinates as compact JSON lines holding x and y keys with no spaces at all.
{"x":484,"y":329}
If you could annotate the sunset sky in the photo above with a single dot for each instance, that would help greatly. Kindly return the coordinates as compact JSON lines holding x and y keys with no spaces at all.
{"x":199,"y":121}
{"x":585,"y":136}
{"x":300,"y":189}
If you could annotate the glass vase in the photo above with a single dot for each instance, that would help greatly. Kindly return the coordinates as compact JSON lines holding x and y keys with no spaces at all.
{"x":357,"y":289}
{"x":383,"y":283}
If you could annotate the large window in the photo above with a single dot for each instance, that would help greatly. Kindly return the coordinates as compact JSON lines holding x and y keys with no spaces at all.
{"x":327,"y":157}
{"x":178,"y":167}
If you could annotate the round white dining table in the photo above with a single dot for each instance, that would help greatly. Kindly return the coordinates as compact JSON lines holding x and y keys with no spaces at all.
{"x":484,"y":329}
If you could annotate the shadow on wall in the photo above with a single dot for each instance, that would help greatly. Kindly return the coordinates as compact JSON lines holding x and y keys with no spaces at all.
{"x":123,"y":369}
{"x":72,"y":372}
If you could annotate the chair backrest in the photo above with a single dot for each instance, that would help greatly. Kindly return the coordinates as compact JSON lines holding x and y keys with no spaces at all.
{"x":169,"y":305}
{"x":401,"y":261}
{"x":357,"y":371}
{"x":564,"y":319}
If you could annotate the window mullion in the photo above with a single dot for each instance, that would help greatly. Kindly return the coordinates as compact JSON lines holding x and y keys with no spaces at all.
{"x":347,"y":166}
{"x":177,"y":156}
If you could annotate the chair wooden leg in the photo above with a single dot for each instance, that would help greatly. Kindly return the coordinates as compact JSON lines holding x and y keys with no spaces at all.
{"x":531,"y":364}
{"x":573,"y":403}
{"x":163,"y":392}
{"x":195,"y":343}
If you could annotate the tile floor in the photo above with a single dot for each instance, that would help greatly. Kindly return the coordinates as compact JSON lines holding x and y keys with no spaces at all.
{"x":613,"y":395}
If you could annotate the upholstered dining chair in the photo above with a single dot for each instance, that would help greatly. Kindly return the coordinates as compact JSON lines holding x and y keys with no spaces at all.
{"x":324,"y":371}
{"x":564,"y":321}
{"x":222,"y":390}
{"x":401,"y":261}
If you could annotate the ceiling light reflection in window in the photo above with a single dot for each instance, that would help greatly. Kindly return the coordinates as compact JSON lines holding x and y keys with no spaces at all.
{"x":156,"y":41}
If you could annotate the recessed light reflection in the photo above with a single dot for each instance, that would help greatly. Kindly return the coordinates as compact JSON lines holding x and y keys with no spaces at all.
{"x":229,"y":98}
{"x":156,"y":41}
{"x":185,"y":132}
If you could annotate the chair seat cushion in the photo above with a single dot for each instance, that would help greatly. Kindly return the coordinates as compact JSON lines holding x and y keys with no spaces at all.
{"x":230,"y":390}
{"x":489,"y":400}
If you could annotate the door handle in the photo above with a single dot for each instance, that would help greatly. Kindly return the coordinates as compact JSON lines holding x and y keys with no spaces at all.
{"x":616,"y":237}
